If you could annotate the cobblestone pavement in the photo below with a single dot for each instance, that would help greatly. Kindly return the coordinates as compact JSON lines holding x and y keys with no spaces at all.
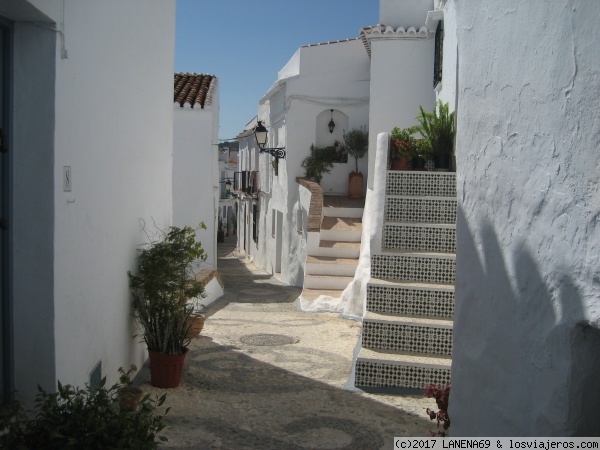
{"x":263,"y":375}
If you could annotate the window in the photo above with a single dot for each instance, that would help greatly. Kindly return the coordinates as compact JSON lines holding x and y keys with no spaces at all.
{"x":255,"y":222}
{"x":273,"y":222}
{"x":439,"y":53}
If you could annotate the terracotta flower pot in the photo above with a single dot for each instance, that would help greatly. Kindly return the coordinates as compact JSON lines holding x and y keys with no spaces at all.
{"x":196,"y":323}
{"x":166,"y":370}
{"x":355,"y":185}
{"x":400,"y":164}
{"x":129,"y":397}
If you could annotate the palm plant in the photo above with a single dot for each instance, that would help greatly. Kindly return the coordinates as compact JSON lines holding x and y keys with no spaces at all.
{"x":437,"y":129}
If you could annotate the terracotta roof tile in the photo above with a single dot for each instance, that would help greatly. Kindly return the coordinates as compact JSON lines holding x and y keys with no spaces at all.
{"x":196,"y":90}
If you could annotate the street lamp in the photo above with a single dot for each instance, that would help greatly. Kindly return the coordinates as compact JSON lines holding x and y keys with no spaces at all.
{"x":227,"y":183}
{"x":261,"y":136}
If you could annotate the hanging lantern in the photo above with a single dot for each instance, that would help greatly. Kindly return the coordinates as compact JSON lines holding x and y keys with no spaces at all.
{"x":331,"y":124}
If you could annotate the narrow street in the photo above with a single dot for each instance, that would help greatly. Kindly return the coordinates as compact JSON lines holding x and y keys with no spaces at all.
{"x":263,"y":375}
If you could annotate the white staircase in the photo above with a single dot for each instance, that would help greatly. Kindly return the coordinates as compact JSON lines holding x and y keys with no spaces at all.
{"x":330,"y":267}
{"x":407,"y":330}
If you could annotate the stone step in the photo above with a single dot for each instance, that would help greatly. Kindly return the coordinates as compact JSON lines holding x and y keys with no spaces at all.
{"x":355,"y":213}
{"x":409,"y":208}
{"x":407,"y":334}
{"x":421,"y":183}
{"x":341,"y":229}
{"x":388,"y":369}
{"x":411,"y":266}
{"x":328,"y":265}
{"x":419,"y":236}
{"x":330,"y":282}
{"x":410,"y":298}
{"x":337,"y":249}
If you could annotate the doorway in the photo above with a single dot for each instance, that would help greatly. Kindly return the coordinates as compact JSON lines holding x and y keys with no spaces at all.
{"x":278,"y":240}
{"x":5,"y":306}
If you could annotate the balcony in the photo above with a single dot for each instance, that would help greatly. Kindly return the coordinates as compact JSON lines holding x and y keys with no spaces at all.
{"x":247,"y":182}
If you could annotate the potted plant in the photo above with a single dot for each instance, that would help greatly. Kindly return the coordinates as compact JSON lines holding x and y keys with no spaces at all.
{"x":437,"y":129}
{"x":319,"y":161}
{"x":164,"y":283}
{"x":402,"y":147}
{"x":128,"y":394}
{"x":356,"y":144}
{"x":421,"y":154}
{"x":84,"y":418}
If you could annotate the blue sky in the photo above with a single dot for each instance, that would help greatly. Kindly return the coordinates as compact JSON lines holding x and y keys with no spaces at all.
{"x":246,"y":42}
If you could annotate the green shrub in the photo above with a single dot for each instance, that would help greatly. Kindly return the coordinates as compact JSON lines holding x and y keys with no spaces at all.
{"x":89,"y":418}
{"x":321,"y":161}
{"x":404,"y":144}
{"x":164,"y":283}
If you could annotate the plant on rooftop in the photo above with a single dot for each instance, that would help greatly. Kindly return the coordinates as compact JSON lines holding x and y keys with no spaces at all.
{"x":83,"y":418}
{"x":442,"y":397}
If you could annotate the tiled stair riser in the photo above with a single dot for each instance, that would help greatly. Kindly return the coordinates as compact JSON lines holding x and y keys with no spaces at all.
{"x":415,"y":302}
{"x":414,"y":209}
{"x":407,"y":237}
{"x":412,"y":268}
{"x":382,"y":375}
{"x":407,"y":338}
{"x":421,"y":183}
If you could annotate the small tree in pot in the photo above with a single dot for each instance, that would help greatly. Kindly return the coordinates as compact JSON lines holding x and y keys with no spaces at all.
{"x":161,"y":289}
{"x":356,"y":144}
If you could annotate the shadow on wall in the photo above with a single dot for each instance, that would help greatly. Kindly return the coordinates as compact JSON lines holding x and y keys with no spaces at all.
{"x":523,"y":350}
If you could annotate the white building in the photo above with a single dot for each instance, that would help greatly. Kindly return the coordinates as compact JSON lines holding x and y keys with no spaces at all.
{"x":196,"y":183}
{"x":87,"y":122}
{"x":296,"y":111}
{"x":228,"y":160}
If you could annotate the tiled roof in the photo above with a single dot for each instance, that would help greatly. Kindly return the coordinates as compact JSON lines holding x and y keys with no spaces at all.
{"x":195,"y":90}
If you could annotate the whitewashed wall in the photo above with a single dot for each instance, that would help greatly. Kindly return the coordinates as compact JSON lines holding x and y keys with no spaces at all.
{"x":401,"y":81}
{"x":526,"y":328}
{"x":196,"y":173}
{"x":446,"y":90}
{"x":105,"y":112}
{"x":403,"y":13}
